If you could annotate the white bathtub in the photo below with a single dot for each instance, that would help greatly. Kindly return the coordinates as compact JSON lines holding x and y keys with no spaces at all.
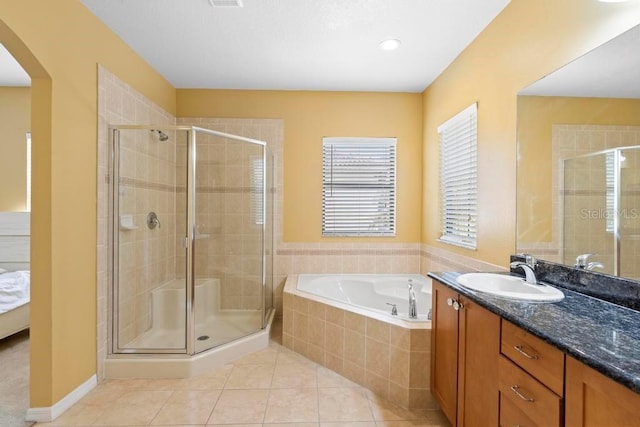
{"x":361,"y":293}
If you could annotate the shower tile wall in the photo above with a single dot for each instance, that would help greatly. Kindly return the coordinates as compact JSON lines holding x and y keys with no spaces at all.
{"x":145,"y":167}
{"x":570,"y":141}
{"x":147,"y":256}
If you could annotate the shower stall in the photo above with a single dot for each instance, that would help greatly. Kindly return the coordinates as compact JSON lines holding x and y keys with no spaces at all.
{"x":191,"y":240}
{"x":601,"y":202}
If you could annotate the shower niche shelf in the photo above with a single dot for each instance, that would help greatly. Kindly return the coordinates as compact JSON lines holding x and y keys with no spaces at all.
{"x":126,"y":222}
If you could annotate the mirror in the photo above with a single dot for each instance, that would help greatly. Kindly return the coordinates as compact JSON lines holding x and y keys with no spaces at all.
{"x":578,"y":191}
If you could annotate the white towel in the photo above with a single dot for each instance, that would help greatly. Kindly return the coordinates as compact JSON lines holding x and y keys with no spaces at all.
{"x":14,"y":290}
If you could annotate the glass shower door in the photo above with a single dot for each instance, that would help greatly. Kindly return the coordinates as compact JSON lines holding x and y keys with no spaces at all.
{"x":148,"y":194}
{"x":590,"y":209}
{"x":228,"y":250}
{"x":629,"y":213}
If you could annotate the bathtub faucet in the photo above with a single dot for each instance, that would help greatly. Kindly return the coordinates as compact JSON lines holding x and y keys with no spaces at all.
{"x":413,"y":312}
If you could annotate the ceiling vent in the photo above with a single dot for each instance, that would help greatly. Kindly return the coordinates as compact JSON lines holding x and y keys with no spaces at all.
{"x":226,"y":3}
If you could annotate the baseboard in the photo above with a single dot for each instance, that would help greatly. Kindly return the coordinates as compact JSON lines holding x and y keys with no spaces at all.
{"x":50,"y":413}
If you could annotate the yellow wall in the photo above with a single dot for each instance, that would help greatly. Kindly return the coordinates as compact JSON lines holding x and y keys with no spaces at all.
{"x":529,"y":39}
{"x":59,"y":43}
{"x":536,"y":115}
{"x":308,"y":116}
{"x":15,"y":122}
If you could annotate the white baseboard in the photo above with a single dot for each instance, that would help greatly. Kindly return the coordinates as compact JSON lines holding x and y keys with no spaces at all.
{"x":50,"y":413}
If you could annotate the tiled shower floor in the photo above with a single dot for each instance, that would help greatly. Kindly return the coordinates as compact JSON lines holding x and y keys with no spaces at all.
{"x":219,"y":329}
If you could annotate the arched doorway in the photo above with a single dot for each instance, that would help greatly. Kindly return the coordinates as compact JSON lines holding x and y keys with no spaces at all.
{"x":41,"y":351}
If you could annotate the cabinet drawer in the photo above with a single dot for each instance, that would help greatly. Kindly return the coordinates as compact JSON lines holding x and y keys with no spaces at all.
{"x":542,"y":360}
{"x":533,"y":399}
{"x":511,"y":416}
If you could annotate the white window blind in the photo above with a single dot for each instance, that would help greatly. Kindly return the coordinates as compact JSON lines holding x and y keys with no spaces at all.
{"x":610,"y":177}
{"x":257,"y":191}
{"x":358,"y":186}
{"x":458,"y":178}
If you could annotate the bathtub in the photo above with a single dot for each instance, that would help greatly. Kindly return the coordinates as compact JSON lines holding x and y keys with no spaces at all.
{"x":372,"y":294}
{"x":343,"y":322}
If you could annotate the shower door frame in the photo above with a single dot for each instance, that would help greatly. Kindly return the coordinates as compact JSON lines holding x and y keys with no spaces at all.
{"x":189,"y":241}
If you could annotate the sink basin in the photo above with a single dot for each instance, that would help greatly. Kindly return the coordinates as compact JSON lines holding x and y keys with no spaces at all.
{"x":506,"y":286}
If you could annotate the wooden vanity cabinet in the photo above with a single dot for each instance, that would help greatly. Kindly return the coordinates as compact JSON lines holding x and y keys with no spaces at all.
{"x":465,"y":342}
{"x":531,"y":375}
{"x":486,"y":371}
{"x":593,"y":399}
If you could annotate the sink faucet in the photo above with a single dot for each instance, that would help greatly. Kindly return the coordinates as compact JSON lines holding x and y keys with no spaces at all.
{"x":529,"y":267}
{"x":582,"y":264}
{"x":413,"y":312}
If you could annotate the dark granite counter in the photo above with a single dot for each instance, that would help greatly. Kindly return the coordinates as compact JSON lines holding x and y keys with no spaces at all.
{"x":603,"y":335}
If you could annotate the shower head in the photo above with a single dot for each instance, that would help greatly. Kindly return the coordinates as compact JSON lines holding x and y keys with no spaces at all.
{"x":161,"y":135}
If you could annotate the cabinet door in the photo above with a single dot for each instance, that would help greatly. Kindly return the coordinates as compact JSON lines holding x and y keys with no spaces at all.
{"x":444,"y":345}
{"x":591,"y":399}
{"x":478,"y":351}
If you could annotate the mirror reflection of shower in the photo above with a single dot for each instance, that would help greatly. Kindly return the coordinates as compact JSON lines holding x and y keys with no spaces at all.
{"x":601,"y":200}
{"x":201,"y":278}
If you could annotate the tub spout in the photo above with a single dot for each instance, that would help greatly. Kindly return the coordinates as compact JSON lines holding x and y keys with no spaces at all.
{"x":413,"y":312}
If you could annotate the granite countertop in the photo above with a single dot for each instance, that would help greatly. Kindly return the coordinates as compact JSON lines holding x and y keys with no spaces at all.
{"x":603,"y":335}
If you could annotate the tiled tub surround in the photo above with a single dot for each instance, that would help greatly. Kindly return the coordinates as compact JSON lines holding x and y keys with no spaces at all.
{"x":599,"y":333}
{"x":388,"y":359}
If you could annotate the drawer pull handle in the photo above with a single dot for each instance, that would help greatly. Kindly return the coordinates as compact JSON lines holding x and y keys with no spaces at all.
{"x":520,"y":350}
{"x":516,"y":390}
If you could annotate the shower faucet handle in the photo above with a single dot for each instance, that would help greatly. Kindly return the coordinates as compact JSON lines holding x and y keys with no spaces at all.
{"x":152,"y":220}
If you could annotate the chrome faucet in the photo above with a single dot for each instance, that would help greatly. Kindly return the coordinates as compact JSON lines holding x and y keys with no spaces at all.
{"x":529,"y":267}
{"x":413,"y":312}
{"x":582,"y":264}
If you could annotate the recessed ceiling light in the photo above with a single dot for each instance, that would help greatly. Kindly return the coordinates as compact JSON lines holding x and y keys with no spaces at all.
{"x":390,"y":44}
{"x":226,"y":3}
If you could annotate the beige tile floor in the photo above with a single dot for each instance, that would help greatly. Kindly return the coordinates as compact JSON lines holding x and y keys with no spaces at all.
{"x":273,"y":387}
{"x":14,"y":380}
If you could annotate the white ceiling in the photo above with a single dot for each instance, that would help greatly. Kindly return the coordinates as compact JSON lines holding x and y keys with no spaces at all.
{"x":298,"y":44}
{"x":11,"y":73}
{"x":610,"y":71}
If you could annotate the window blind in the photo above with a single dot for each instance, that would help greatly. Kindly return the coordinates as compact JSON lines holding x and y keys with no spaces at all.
{"x":610,"y":177}
{"x":358,"y":186}
{"x":458,"y":178}
{"x":257,"y":191}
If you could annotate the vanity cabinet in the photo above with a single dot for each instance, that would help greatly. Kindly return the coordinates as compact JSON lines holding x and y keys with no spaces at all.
{"x":465,"y":342}
{"x":593,"y":399}
{"x":531,"y":378}
{"x":486,"y":371}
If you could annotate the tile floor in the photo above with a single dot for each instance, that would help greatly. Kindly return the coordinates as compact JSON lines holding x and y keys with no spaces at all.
{"x":14,"y":380}
{"x":273,"y":387}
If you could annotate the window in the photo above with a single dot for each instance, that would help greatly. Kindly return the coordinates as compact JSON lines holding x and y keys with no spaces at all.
{"x":257,"y":191}
{"x":358,"y":186}
{"x":458,"y":178}
{"x":610,"y":179}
